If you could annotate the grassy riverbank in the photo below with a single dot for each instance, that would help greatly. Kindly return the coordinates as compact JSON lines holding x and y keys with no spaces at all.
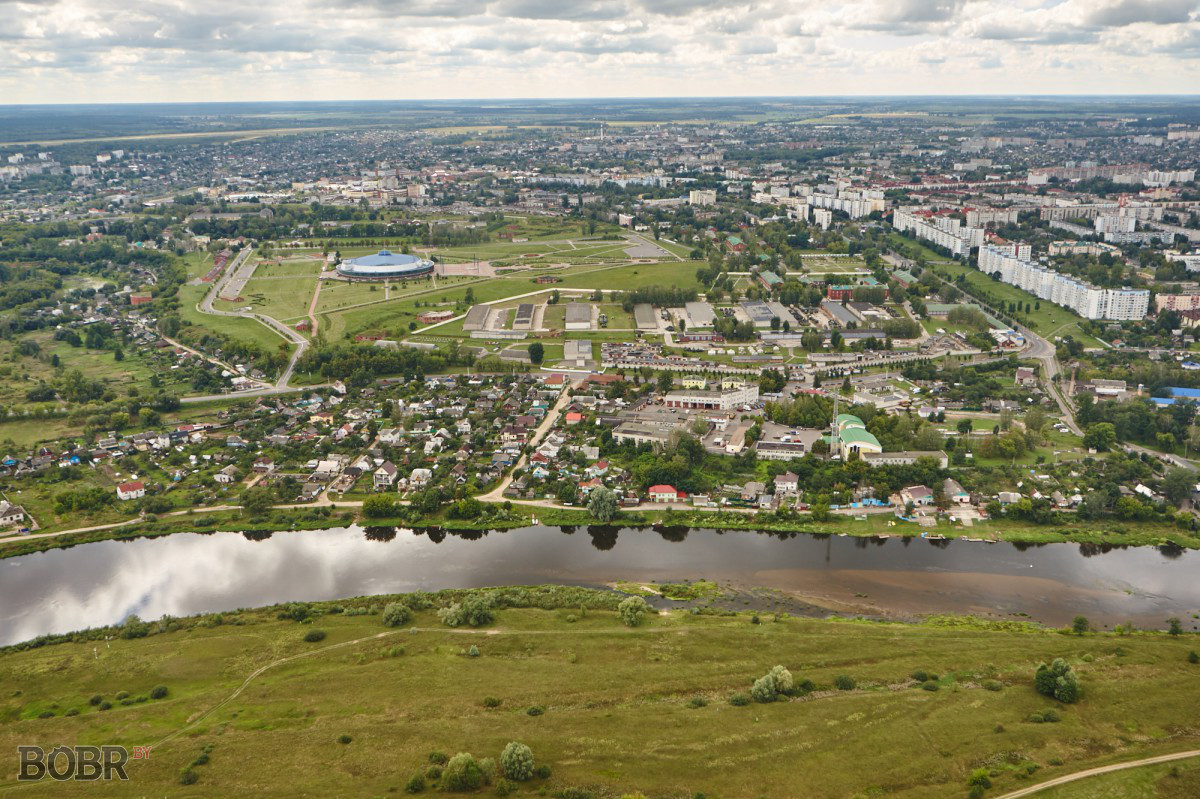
{"x":1100,"y":533}
{"x":621,"y":708}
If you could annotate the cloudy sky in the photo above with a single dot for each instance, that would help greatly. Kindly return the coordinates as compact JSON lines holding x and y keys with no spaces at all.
{"x":162,"y":50}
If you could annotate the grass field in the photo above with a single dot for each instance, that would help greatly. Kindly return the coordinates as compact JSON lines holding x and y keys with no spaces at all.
{"x":644,"y":708}
{"x":1174,"y":781}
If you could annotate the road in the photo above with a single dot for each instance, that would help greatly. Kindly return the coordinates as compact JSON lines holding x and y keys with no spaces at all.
{"x":1092,"y":772}
{"x":299,"y":342}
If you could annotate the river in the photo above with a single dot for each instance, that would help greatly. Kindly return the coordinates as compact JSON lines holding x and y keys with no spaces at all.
{"x":102,"y":583}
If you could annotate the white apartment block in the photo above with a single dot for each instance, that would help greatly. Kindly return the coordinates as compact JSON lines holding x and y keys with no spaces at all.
{"x":943,"y":231}
{"x":1090,"y":302}
{"x":982,"y":217}
{"x":702,"y":197}
{"x":855,"y":204}
{"x":822,"y":217}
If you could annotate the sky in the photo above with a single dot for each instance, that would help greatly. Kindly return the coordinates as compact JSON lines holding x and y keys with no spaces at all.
{"x":65,"y":51}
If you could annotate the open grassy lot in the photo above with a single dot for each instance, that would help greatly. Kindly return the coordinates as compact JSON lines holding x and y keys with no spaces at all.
{"x":244,"y":329}
{"x":644,"y":708}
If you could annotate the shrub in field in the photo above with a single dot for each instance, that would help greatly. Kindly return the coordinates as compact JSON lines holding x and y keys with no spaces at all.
{"x":314,"y":636}
{"x":1057,"y":680}
{"x":844,"y":683}
{"x":473,"y":652}
{"x":415,"y":784}
{"x":739,"y":700}
{"x":1193,"y":657}
{"x":516,"y":761}
{"x":930,"y":686}
{"x":491,"y":701}
{"x":158,"y":692}
{"x":462,"y":773}
{"x":438,"y":758}
{"x":488,"y":766}
{"x":475,"y":610}
{"x":697,"y":702}
{"x":632,"y":610}
{"x":95,"y":700}
{"x":396,"y":614}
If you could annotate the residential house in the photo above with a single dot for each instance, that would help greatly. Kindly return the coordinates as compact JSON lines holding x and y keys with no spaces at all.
{"x":131,"y":490}
{"x":385,"y":475}
{"x":664,"y":493}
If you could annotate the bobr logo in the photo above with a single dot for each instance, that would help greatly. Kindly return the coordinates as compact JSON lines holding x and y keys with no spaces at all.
{"x":86,"y":763}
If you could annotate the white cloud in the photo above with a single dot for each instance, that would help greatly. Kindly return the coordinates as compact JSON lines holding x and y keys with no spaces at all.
{"x":95,"y":50}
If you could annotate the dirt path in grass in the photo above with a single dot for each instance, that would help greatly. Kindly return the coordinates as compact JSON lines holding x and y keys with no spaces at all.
{"x":1092,"y":772}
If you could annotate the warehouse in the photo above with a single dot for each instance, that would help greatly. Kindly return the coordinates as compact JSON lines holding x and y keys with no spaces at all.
{"x":699,"y":315}
{"x":643,"y":316}
{"x":579,"y":316}
{"x":477,"y":318}
{"x":524,"y":317}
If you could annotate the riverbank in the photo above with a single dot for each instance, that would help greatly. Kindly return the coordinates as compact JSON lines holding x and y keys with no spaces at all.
{"x":1102,"y":533}
{"x":327,"y":694}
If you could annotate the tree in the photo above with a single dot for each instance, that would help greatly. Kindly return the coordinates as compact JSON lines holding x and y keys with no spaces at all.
{"x":1080,"y":625}
{"x":256,"y":501}
{"x":475,"y":610}
{"x":379,"y":506}
{"x":537,"y":353}
{"x":396,"y":614}
{"x":820,"y":512}
{"x":665,"y":382}
{"x":462,"y":773}
{"x":632,"y":609}
{"x":963,"y":426}
{"x":1100,"y":436}
{"x":1057,"y":680}
{"x":1174,"y":627}
{"x":602,"y":504}
{"x":1178,"y":485}
{"x":516,"y":761}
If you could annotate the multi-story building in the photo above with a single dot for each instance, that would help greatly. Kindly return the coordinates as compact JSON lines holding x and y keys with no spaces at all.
{"x":944,"y":231}
{"x":1012,"y":264}
{"x":730,"y":393}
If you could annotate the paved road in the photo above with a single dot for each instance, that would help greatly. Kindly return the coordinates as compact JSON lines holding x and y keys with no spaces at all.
{"x":1092,"y":772}
{"x":288,"y":334}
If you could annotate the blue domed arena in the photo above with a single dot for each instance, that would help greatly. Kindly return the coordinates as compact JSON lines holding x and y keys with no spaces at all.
{"x":385,"y":265}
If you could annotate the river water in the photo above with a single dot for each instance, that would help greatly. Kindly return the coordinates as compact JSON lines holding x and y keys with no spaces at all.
{"x":101,"y":583}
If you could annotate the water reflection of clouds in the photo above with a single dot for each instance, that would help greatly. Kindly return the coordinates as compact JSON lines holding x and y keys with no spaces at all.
{"x":101,"y":583}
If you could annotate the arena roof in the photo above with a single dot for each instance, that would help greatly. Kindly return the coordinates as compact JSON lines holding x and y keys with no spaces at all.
{"x":386,"y":264}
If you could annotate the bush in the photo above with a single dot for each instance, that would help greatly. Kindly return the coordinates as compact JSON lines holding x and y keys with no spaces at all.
{"x":1057,"y":680}
{"x":697,"y":702}
{"x":517,"y":761}
{"x":768,"y":687}
{"x":433,"y":773}
{"x":72,"y":712}
{"x":188,"y":777}
{"x":920,"y":676}
{"x":505,"y":787}
{"x":739,"y":700}
{"x":344,"y":739}
{"x":763,"y":689}
{"x":122,"y":695}
{"x":844,"y":683}
{"x":1193,"y":657}
{"x":158,"y":692}
{"x":415,"y":784}
{"x":488,"y":766}
{"x":535,"y":710}
{"x":930,"y":686}
{"x":201,"y":759}
{"x":1049,"y":716}
{"x":95,"y":700}
{"x":438,"y":758}
{"x":474,"y":611}
{"x":543,"y":772}
{"x":491,"y":701}
{"x":980,"y":777}
{"x":632,"y":610}
{"x":396,"y":614}
{"x":105,"y":705}
{"x":313,"y":636}
{"x":473,"y":652}
{"x":462,"y":773}
{"x":993,"y":685}
{"x":46,"y":714}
